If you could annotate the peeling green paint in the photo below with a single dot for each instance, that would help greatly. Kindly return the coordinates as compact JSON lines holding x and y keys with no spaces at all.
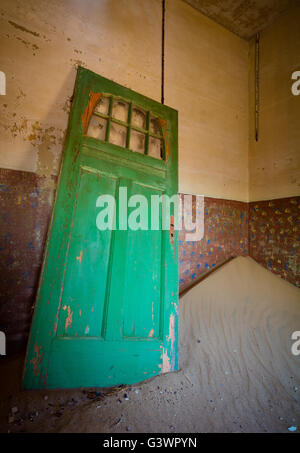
{"x":108,"y":298}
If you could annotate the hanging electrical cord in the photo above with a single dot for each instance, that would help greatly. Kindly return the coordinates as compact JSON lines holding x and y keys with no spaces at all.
{"x":163,"y":51}
{"x":257,"y":39}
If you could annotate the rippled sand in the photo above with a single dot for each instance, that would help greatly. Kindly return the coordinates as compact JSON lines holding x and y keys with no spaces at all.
{"x":237,"y":372}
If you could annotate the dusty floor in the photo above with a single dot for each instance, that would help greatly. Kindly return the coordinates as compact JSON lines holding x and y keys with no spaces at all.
{"x":237,"y":370}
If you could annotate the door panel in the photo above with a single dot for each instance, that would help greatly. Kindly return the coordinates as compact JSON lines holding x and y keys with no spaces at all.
{"x":142,"y":301}
{"x":111,"y":364}
{"x":85,"y":280}
{"x":106,"y":308}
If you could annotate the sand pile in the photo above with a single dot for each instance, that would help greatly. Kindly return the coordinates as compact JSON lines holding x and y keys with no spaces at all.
{"x":237,"y":370}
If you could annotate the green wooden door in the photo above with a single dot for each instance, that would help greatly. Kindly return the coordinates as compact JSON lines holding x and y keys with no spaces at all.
{"x":106,"y":309}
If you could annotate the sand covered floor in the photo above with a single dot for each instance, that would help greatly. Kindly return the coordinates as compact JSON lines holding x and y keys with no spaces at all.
{"x":237,"y":372}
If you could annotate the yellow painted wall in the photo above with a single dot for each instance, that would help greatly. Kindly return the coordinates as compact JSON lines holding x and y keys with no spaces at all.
{"x":207,"y":82}
{"x":274,"y":161}
{"x":42,"y":42}
{"x":41,"y":45}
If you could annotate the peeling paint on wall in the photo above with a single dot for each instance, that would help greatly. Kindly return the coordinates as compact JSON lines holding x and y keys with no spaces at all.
{"x":20,"y":27}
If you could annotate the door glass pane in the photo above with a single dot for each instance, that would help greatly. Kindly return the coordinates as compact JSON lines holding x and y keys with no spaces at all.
{"x":103,"y":105}
{"x":97,"y":127}
{"x":138,"y":118}
{"x":120,"y":110}
{"x":155,"y":148}
{"x":117,"y":134}
{"x":155,"y":126}
{"x":137,"y":141}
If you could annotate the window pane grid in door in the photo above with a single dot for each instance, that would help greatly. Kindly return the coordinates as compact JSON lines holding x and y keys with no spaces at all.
{"x":111,"y":100}
{"x":127,"y":125}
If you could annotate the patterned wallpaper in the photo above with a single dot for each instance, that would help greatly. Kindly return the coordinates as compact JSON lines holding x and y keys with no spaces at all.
{"x":268,"y":231}
{"x":25,"y":208}
{"x":225,"y":236}
{"x":274,"y":236}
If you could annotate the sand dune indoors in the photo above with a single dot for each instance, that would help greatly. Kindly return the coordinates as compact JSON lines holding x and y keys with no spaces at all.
{"x":237,"y":372}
